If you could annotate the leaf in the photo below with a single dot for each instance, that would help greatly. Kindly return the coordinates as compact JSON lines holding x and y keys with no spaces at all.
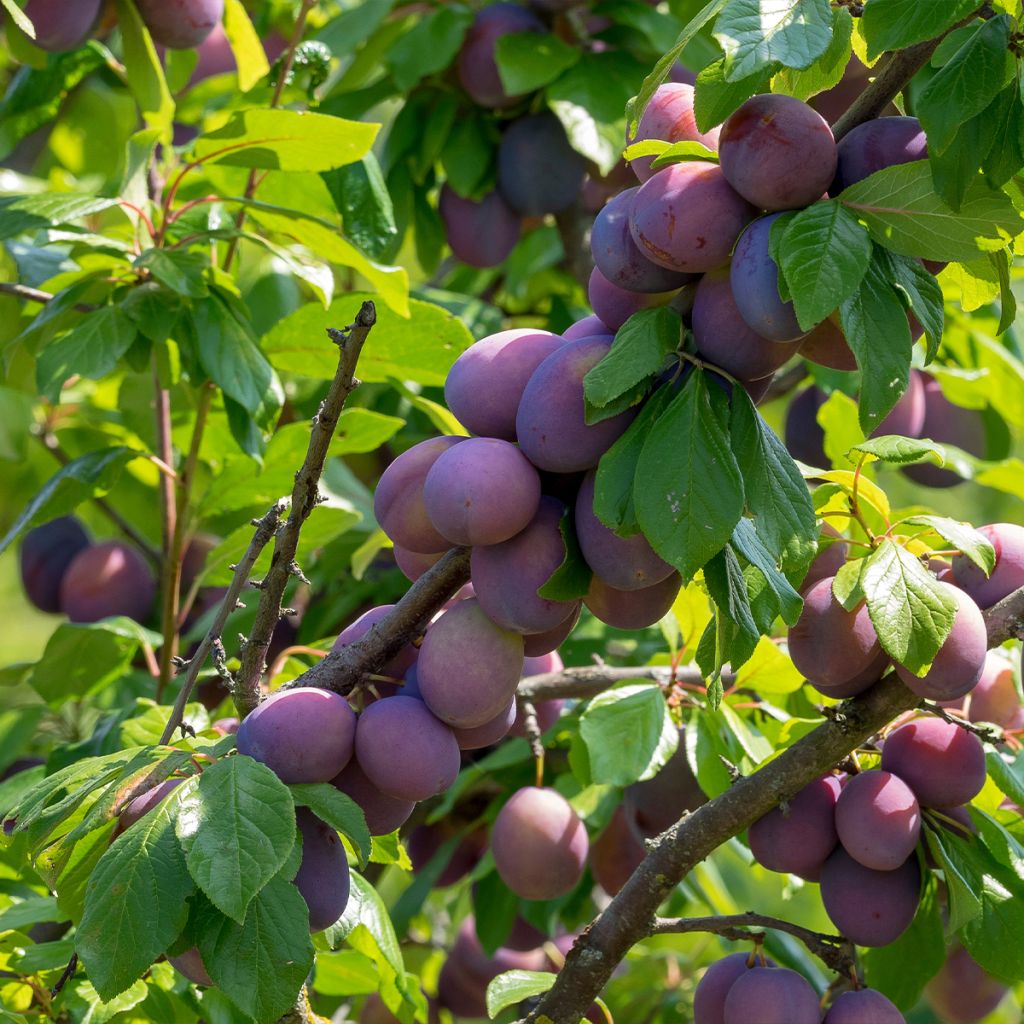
{"x":341,"y":812}
{"x":677,"y":152}
{"x":746,"y":541}
{"x":246,"y":47}
{"x":82,"y":658}
{"x":145,"y":72}
{"x":824,"y":255}
{"x":923,"y":295}
{"x":900,"y":451}
{"x":689,"y":491}
{"x":362,"y":199}
{"x":236,"y":826}
{"x":896,"y":24}
{"x":571,"y":580}
{"x":734,"y":632}
{"x":286,"y":140}
{"x":827,"y":71}
{"x":182,"y":271}
{"x":514,"y":986}
{"x":628,"y":732}
{"x":910,"y":610}
{"x":135,"y":902}
{"x":20,"y":213}
{"x":530,"y":60}
{"x":366,"y":910}
{"x":971,"y":543}
{"x":262,"y":964}
{"x":88,"y":476}
{"x":19,"y":17}
{"x":757,"y":33}
{"x":1006,"y":157}
{"x":715,"y":97}
{"x":430,"y":46}
{"x":1007,"y":774}
{"x":965,"y":85}
{"x":15,"y":424}
{"x":769,"y":670}
{"x":903,"y":213}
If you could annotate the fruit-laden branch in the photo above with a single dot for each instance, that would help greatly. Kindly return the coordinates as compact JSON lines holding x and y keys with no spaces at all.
{"x":590,"y":680}
{"x":632,"y":914}
{"x":305,"y":497}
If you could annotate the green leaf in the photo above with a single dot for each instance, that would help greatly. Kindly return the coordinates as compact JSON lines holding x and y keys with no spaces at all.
{"x":286,"y":140}
{"x":236,"y":825}
{"x":468,"y":154}
{"x":956,"y":858}
{"x":680,"y":151}
{"x":903,"y":213}
{"x":896,"y":24}
{"x":923,"y":295}
{"x":135,"y":902}
{"x":90,"y":349}
{"x":182,"y":271}
{"x":827,"y":71}
{"x":530,"y":60}
{"x":19,"y":214}
{"x":629,"y":733}
{"x":82,"y":658}
{"x":970,"y":542}
{"x":746,"y":541}
{"x":246,"y":47}
{"x":1007,"y":774}
{"x":514,"y":986}
{"x":1006,"y":156}
{"x":341,"y":812}
{"x":715,"y":97}
{"x":389,"y":850}
{"x":367,"y":914}
{"x":900,"y":451}
{"x":145,"y":72}
{"x":824,"y":255}
{"x":362,"y":199}
{"x":15,"y":424}
{"x":19,"y":17}
{"x":262,"y":964}
{"x":758,"y":33}
{"x":86,"y":477}
{"x":733,"y":634}
{"x":1007,"y":300}
{"x":689,"y":491}
{"x":638,"y":352}
{"x":966,"y":84}
{"x":910,"y":610}
{"x":571,"y":580}
{"x":430,"y":46}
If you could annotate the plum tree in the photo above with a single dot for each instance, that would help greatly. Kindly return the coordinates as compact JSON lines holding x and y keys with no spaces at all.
{"x":425,"y":841}
{"x":631,"y":609}
{"x":358,"y":628}
{"x":1008,"y":573}
{"x":669,"y":116}
{"x":798,"y":840}
{"x":943,"y":764}
{"x":468,"y":667}
{"x":180,"y":24}
{"x":538,"y":171}
{"x":485,"y":385}
{"x":480,"y":232}
{"x":476,"y":64}
{"x":430,"y":753}
{"x":995,"y":697}
{"x":713,"y":988}
{"x":482,"y":491}
{"x":962,"y":992}
{"x":771,"y":994}
{"x":777,"y":152}
{"x":323,"y":876}
{"x":871,"y":908}
{"x":687,"y":217}
{"x":302,"y":735}
{"x":863,"y":1006}
{"x":44,"y":557}
{"x":616,"y":853}
{"x":110,"y":578}
{"x":878,"y":820}
{"x":60,"y":26}
{"x":615,"y":305}
{"x":659,"y":802}
{"x":383,"y":813}
{"x":398,"y":504}
{"x":876,"y":144}
{"x":539,"y":844}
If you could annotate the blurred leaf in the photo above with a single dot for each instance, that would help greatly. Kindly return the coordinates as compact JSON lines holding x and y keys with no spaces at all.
{"x":246,"y":46}
{"x":19,"y":17}
{"x":145,"y":72}
{"x":15,"y":424}
{"x":530,"y":60}
{"x":82,"y":658}
{"x":430,"y":45}
{"x":22,"y":213}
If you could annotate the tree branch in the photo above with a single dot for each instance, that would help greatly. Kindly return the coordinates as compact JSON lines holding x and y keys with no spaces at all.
{"x":1005,"y":620}
{"x":590,"y":680}
{"x":305,"y":497}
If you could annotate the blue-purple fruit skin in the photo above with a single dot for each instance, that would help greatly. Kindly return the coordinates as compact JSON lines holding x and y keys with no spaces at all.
{"x":871,"y":908}
{"x":755,"y":285}
{"x":538,"y":171}
{"x":482,"y":491}
{"x":777,"y":152}
{"x":180,"y":24}
{"x":476,"y":65}
{"x":829,"y":559}
{"x":481,"y":232}
{"x":536,"y":645}
{"x":302,"y":735}
{"x":489,"y":732}
{"x":61,"y":26}
{"x":107,"y":579}
{"x":713,"y":987}
{"x":617,"y":256}
{"x":876,"y":144}
{"x":383,"y":813}
{"x":143,"y":804}
{"x":506,"y":576}
{"x":45,"y":554}
{"x":398,"y":500}
{"x":963,"y":992}
{"x":550,"y":424}
{"x":485,"y":384}
{"x":539,"y":844}
{"x":358,"y":628}
{"x":323,"y":876}
{"x":771,"y":994}
{"x":804,"y":435}
{"x":659,"y":802}
{"x":669,"y":118}
{"x":865,"y":1006}
{"x":615,"y":305}
{"x":589,"y":327}
{"x":1008,"y":574}
{"x":469,"y":667}
{"x":878,"y":820}
{"x":429,"y":759}
{"x":632,"y":609}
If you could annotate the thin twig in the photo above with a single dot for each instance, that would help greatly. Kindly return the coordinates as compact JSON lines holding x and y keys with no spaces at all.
{"x":23,"y":291}
{"x":67,"y":975}
{"x":170,"y":569}
{"x":986,"y":733}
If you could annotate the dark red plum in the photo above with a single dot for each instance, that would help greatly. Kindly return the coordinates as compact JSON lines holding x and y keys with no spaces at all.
{"x":323,"y":877}
{"x":799,"y":839}
{"x":755,"y":285}
{"x":829,"y":560}
{"x":943,"y":764}
{"x":537,"y":644}
{"x":687,"y":217}
{"x":485,"y":385}
{"x":1008,"y":574}
{"x":383,"y":813}
{"x":489,"y":732}
{"x":142,"y":805}
{"x":876,"y":144}
{"x":412,"y":563}
{"x":871,"y":908}
{"x":615,"y":305}
{"x":963,"y":992}
{"x":777,"y":152}
{"x":400,"y":663}
{"x":961,"y":658}
{"x":538,"y":171}
{"x":878,"y":820}
{"x":107,"y":579}
{"x":539,"y":844}
{"x":429,"y":759}
{"x":589,"y":327}
{"x":617,"y":256}
{"x":190,"y":964}
{"x":659,"y":802}
{"x":995,"y":698}
{"x":476,"y":65}
{"x":551,"y":425}
{"x":481,"y":233}
{"x":669,"y":117}
{"x":631,"y":609}
{"x":907,"y":415}
{"x":482,"y":491}
{"x":713,"y":987}
{"x":804,"y":435}
{"x":61,"y":26}
{"x":771,"y":994}
{"x":725,"y":339}
{"x":616,"y":853}
{"x":180,"y":24}
{"x":398,"y":501}
{"x":425,"y":840}
{"x":302,"y":735}
{"x":44,"y":557}
{"x":827,"y":346}
{"x":864,"y":1006}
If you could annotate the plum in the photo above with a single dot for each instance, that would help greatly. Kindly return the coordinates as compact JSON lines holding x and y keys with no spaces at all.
{"x":771,"y":994}
{"x":615,"y":305}
{"x":632,"y":609}
{"x":476,"y":65}
{"x":44,"y":557}
{"x":61,"y":26}
{"x":669,"y":117}
{"x":876,"y":144}
{"x":878,"y":820}
{"x":1008,"y":574}
{"x":383,"y":813}
{"x":323,"y":876}
{"x":963,"y":992}
{"x":863,"y":1006}
{"x":480,"y":232}
{"x":180,"y":24}
{"x":358,"y":628}
{"x":538,"y":171}
{"x":107,"y":579}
